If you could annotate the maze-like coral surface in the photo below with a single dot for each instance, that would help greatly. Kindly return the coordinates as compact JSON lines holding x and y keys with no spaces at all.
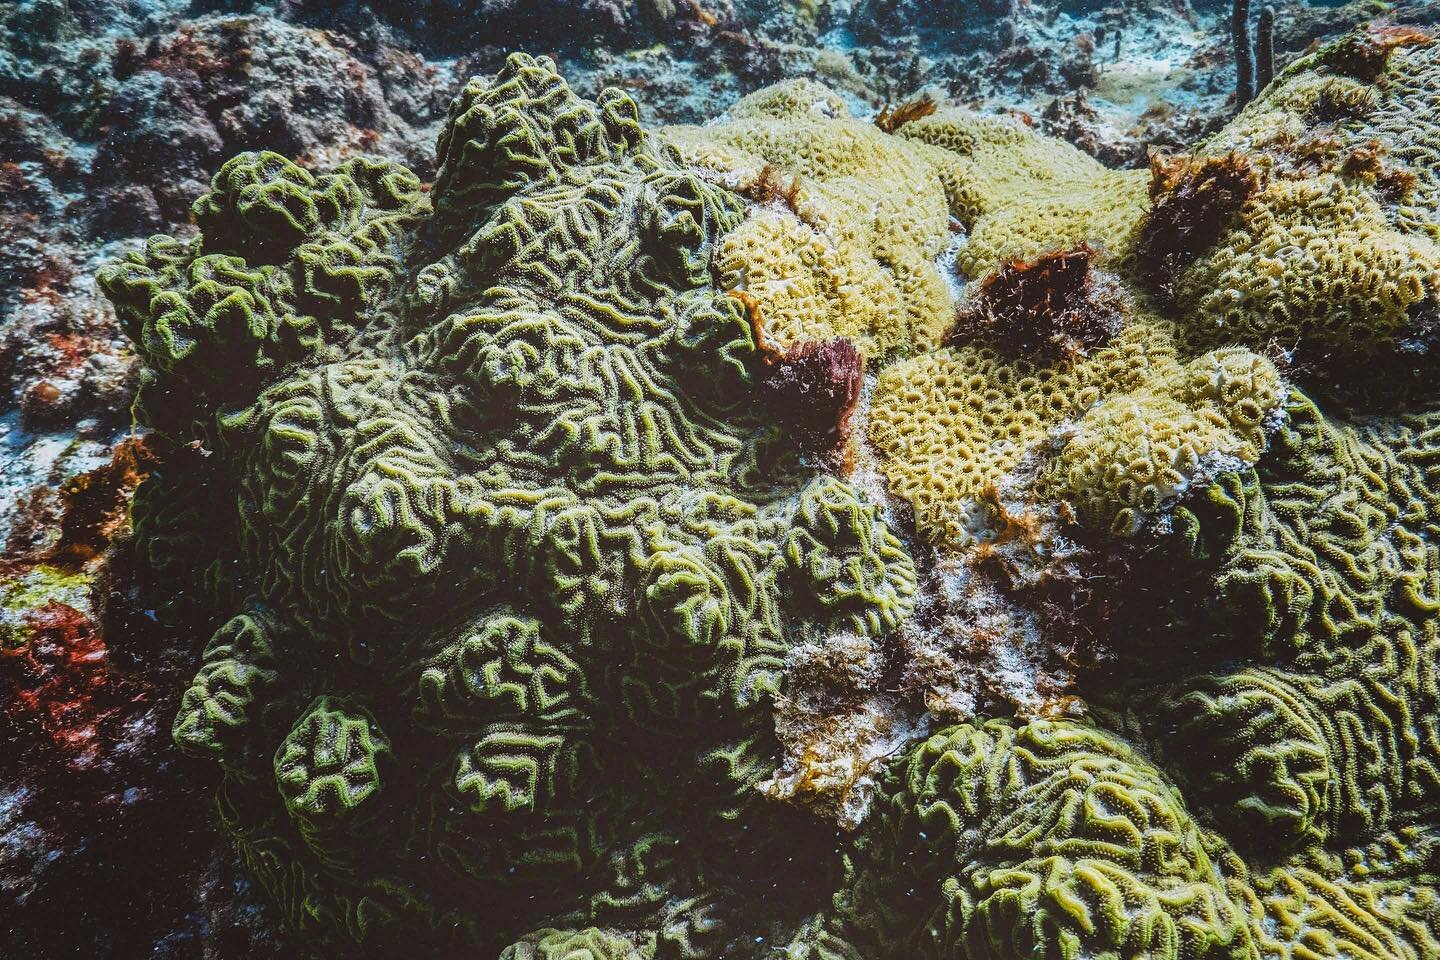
{"x":514,"y":528}
{"x":537,"y":592}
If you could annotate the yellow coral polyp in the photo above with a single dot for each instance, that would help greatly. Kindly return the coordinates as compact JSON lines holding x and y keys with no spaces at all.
{"x":1312,"y":263}
{"x":855,"y":254}
{"x":1133,"y":427}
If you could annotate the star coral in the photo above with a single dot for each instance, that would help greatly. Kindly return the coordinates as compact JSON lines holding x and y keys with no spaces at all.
{"x":543,"y":583}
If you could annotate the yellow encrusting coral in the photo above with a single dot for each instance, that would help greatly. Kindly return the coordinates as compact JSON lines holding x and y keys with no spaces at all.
{"x":1129,"y":427}
{"x":852,"y":253}
{"x":1020,"y":194}
{"x":1335,"y":260}
{"x":855,"y":253}
{"x":1312,"y":261}
{"x":1132,"y":455}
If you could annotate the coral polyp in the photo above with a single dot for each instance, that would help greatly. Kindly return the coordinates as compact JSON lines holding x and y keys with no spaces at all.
{"x":812,"y":537}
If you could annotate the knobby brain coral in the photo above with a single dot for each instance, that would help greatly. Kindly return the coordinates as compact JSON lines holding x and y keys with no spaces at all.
{"x":591,"y":535}
{"x":517,"y":531}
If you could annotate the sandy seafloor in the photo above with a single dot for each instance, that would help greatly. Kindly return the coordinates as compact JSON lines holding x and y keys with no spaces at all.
{"x":113,"y":113}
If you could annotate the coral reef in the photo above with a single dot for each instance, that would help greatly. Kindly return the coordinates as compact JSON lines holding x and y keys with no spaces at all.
{"x":579,"y":432}
{"x":1074,"y":395}
{"x":115,"y":114}
{"x":556,"y":523}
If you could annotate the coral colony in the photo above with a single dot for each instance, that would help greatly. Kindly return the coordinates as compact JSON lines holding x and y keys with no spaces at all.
{"x":812,"y":533}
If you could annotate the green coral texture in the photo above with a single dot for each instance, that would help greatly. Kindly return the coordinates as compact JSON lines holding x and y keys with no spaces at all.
{"x":505,"y":558}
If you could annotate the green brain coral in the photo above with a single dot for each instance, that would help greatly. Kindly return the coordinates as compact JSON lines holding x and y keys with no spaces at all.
{"x":516,"y":534}
{"x":536,"y":598}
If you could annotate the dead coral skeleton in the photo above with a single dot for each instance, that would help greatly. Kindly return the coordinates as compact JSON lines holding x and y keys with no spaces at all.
{"x":839,"y":720}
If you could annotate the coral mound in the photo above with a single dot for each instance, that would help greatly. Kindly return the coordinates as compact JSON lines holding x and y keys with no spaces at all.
{"x":591,"y":535}
{"x":515,"y":522}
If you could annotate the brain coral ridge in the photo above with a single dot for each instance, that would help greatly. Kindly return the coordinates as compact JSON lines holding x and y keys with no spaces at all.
{"x":558,"y":523}
{"x":520,"y":406}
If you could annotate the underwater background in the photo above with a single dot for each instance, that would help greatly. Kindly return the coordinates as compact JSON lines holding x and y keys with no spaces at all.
{"x":116,"y":114}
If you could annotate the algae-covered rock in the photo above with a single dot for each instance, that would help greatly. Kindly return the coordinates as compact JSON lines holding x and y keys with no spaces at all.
{"x":597,"y":531}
